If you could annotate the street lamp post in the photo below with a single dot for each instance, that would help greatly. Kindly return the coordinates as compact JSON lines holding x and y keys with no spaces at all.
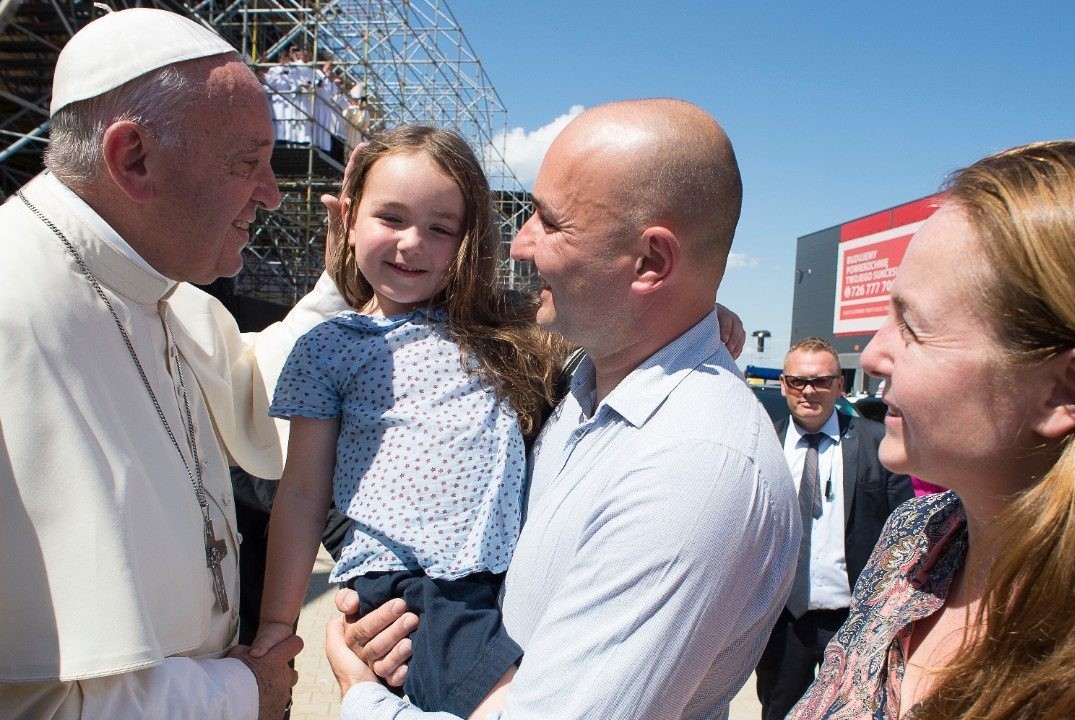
{"x":760,"y":336}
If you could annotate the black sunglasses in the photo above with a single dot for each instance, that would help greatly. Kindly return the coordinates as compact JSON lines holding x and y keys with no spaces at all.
{"x":821,"y":382}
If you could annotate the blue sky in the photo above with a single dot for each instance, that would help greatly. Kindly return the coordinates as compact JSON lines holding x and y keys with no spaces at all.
{"x":836,"y":110}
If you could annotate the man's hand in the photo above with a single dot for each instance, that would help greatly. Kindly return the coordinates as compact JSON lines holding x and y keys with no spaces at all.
{"x":732,"y":333}
{"x":346,"y":665}
{"x":336,"y":206}
{"x":379,"y":638}
{"x":275,"y":679}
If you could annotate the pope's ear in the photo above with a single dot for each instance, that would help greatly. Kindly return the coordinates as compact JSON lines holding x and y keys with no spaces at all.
{"x":125,"y":152}
{"x":1056,"y":417}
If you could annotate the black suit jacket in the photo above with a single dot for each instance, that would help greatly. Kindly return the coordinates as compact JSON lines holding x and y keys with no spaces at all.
{"x":871,"y":491}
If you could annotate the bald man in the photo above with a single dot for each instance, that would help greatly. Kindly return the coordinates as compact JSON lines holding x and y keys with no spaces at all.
{"x":662,"y":526}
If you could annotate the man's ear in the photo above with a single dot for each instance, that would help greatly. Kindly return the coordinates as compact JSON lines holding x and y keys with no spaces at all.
{"x":660,"y":255}
{"x":125,"y":149}
{"x":1056,"y":415}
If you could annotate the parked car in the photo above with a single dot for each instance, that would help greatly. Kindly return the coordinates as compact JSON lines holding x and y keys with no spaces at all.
{"x":773,"y":402}
{"x":872,"y":407}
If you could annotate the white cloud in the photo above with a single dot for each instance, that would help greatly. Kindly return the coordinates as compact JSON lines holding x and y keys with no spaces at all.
{"x":738,"y":260}
{"x":523,"y":150}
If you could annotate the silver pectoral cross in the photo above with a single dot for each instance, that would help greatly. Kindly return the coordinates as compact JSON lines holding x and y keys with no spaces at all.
{"x":215,"y":551}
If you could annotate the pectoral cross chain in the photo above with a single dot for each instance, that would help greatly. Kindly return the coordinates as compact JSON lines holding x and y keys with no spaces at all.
{"x":215,"y":551}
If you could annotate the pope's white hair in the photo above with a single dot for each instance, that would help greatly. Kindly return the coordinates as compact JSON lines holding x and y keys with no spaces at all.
{"x":158,"y":101}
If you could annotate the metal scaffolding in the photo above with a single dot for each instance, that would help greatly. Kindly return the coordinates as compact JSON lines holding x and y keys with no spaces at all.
{"x":410,"y":59}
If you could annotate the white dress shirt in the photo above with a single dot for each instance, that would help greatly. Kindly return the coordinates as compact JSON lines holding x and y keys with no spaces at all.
{"x":659,"y":546}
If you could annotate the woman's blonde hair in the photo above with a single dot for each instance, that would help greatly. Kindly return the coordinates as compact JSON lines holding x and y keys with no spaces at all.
{"x":496,"y":328}
{"x":1021,"y":662}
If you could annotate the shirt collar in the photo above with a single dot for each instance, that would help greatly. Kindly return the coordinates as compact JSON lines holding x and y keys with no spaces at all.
{"x":382,"y":324}
{"x":98,"y":225}
{"x":831,"y":428}
{"x":638,"y":395}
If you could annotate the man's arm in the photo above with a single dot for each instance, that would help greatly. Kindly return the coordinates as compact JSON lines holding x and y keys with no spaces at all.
{"x":178,"y":687}
{"x":256,"y":359}
{"x":672,"y":594}
{"x":245,"y":366}
{"x":680,"y":573}
{"x":231,"y":688}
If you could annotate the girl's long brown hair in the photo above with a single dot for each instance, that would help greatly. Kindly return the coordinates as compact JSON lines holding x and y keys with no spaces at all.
{"x":1020,"y":663}
{"x":517,"y":359}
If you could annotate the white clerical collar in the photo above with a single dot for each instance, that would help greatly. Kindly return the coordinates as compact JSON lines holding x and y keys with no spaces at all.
{"x":96,"y":223}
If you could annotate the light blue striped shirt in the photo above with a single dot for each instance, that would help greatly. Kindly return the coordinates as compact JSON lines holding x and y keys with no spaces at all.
{"x":658,"y":548}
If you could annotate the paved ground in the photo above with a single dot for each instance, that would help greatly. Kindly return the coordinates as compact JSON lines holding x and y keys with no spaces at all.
{"x":317,"y":696}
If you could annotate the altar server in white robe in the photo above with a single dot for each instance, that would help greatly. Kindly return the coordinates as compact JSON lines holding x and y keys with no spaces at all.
{"x":125,"y":392}
{"x":294,"y":84}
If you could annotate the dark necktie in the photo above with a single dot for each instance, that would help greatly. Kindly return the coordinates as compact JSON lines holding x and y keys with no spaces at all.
{"x":810,"y":510}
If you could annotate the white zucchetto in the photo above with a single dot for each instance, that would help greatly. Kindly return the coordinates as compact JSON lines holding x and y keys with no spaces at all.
{"x":122,"y":45}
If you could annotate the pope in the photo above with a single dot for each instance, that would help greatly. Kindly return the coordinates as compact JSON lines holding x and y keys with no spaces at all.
{"x":127,"y":392}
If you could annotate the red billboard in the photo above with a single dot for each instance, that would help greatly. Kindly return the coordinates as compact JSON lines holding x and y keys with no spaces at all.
{"x":870,"y":252}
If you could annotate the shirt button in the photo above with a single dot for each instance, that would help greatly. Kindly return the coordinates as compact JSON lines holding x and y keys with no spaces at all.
{"x":238,"y":538}
{"x":235,"y":613}
{"x":224,"y":500}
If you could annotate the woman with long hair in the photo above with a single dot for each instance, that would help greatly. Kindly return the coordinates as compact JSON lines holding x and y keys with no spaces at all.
{"x":967,"y":607}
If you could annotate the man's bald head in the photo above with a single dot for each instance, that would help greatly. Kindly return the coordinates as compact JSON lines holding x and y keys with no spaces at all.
{"x":675,"y":167}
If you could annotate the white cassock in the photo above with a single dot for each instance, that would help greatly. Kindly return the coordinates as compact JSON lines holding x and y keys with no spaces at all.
{"x":294,"y":86}
{"x":280,"y":87}
{"x":106,"y":600}
{"x":328,"y":106}
{"x":358,"y":126}
{"x":306,"y":79}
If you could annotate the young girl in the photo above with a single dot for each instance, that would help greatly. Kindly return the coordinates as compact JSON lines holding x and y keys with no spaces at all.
{"x":412,"y":410}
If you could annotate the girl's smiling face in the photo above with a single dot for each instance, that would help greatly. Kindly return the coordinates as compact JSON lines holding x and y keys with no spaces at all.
{"x":406,"y":231}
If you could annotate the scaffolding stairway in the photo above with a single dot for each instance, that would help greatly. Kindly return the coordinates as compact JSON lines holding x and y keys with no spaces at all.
{"x":409,"y":55}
